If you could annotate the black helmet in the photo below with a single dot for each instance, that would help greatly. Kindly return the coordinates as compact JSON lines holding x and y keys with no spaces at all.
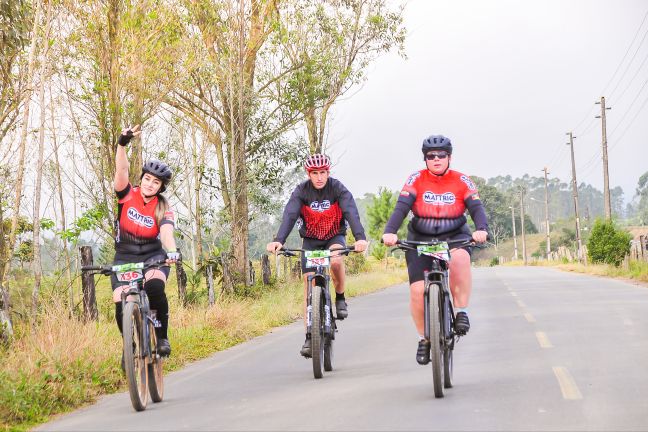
{"x":436,"y":142}
{"x":158,"y":169}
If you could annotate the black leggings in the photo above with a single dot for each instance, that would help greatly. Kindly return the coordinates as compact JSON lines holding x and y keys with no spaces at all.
{"x":158,"y":301}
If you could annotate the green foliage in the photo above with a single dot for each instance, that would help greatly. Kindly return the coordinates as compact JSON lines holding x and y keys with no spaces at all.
{"x":25,"y":252}
{"x":607,"y":243}
{"x":356,"y":263}
{"x":379,"y":251}
{"x":494,"y":261}
{"x":379,"y":212}
{"x":88,"y":221}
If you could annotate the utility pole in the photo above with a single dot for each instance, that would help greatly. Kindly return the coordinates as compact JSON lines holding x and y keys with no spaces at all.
{"x":524,"y":252}
{"x":606,"y":177}
{"x":575,"y":195}
{"x":547,"y":213}
{"x":514,"y":235}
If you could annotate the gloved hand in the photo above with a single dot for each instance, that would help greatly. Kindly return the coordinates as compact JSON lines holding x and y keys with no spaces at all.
{"x":128,"y":134}
{"x":173,"y":256}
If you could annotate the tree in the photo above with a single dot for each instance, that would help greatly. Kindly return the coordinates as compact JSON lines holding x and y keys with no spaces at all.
{"x":234,"y":33}
{"x":329,"y":44}
{"x":378,"y":213}
{"x":608,"y":243}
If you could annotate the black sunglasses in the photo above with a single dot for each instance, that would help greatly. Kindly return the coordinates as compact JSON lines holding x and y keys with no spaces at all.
{"x":431,"y":156}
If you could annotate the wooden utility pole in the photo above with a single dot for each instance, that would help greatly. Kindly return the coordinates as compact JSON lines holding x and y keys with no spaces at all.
{"x":575,"y":195}
{"x":547,"y":213}
{"x":514,"y":235}
{"x":606,"y":177}
{"x":524,"y":251}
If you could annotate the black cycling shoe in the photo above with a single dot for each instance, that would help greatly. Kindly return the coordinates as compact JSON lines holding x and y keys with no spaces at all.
{"x":423,"y":352}
{"x":341,"y":311}
{"x":461,"y":323}
{"x":164,"y":347}
{"x":306,"y":348}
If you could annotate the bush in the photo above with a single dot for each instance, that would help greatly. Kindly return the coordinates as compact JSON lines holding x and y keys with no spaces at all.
{"x":607,"y":243}
{"x":494,"y":261}
{"x":356,"y":263}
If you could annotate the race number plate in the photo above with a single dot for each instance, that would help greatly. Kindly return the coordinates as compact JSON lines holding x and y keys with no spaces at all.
{"x":129,"y":272}
{"x":316,"y":258}
{"x":438,"y":250}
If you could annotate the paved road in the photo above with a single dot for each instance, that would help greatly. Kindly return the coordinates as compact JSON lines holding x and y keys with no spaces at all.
{"x":548,"y":351}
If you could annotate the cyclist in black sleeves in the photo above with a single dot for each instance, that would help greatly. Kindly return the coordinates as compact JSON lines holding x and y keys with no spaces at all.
{"x":322,"y":206}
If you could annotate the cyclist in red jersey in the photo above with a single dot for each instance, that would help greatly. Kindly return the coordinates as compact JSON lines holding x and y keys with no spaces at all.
{"x":438,"y":198}
{"x":144,"y":230}
{"x":321,"y":206}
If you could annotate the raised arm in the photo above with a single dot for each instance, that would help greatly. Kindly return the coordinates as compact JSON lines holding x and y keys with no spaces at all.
{"x":121,"y":158}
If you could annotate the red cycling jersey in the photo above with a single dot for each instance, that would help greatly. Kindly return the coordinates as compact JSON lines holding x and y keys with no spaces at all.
{"x":438,"y":203}
{"x":136,"y":223}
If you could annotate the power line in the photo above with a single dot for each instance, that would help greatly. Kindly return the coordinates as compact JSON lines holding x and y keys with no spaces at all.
{"x":627,"y":51}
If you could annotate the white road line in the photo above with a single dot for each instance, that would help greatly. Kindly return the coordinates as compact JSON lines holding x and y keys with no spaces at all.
{"x":529,"y":317}
{"x":567,"y":384}
{"x":521,"y":304}
{"x":543,"y":340}
{"x":513,"y":294}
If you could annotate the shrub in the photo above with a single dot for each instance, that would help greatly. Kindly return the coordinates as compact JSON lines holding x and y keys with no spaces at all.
{"x":494,"y":261}
{"x":607,"y":243}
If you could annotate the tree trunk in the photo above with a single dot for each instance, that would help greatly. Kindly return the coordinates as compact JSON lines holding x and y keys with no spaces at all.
{"x":59,"y":189}
{"x":44,"y":70}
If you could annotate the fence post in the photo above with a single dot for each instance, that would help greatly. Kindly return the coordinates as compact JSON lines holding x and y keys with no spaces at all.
{"x":88,"y":286}
{"x":265,"y":269}
{"x":210,"y":284}
{"x":181,"y":277}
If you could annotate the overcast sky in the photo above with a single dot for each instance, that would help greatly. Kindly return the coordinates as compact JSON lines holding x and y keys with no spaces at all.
{"x":505,"y":80}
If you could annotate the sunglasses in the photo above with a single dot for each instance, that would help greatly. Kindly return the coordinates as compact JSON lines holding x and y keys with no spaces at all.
{"x":431,"y":156}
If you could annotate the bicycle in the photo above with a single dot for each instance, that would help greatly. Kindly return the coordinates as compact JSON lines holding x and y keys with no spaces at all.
{"x":438,"y":309}
{"x":143,"y":364}
{"x":320,"y":321}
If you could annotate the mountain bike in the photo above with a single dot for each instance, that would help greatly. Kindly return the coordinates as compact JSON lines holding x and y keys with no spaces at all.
{"x":320,"y":321}
{"x":438,"y":310}
{"x":142,"y":362}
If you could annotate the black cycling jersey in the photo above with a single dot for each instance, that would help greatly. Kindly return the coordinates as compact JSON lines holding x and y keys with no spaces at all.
{"x":323,"y":213}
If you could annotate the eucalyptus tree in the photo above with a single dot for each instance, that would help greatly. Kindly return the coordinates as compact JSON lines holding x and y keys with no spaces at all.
{"x":330,"y":43}
{"x":227,"y":96}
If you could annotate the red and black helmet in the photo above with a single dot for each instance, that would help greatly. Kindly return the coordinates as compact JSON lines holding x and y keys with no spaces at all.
{"x":317,"y":161}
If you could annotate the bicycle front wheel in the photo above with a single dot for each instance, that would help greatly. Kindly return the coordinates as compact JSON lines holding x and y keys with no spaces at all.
{"x":155,"y":377}
{"x":135,"y":356}
{"x":436,"y":340}
{"x":317,"y":331}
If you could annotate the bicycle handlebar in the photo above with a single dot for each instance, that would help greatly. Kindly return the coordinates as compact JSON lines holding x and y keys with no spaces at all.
{"x":108,"y":269}
{"x":292,"y":251}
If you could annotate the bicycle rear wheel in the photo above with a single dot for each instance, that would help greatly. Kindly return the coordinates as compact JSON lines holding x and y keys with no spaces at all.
{"x":155,"y":377}
{"x":328,"y":347}
{"x":317,"y":331}
{"x":448,"y":348}
{"x":134,"y":356}
{"x":436,"y":340}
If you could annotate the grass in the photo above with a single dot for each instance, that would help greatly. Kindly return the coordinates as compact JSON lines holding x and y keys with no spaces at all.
{"x":61,"y":363}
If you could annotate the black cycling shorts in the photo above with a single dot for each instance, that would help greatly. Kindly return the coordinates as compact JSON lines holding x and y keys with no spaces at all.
{"x":315,"y":244}
{"x":122,"y":258}
{"x":416,"y":264}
